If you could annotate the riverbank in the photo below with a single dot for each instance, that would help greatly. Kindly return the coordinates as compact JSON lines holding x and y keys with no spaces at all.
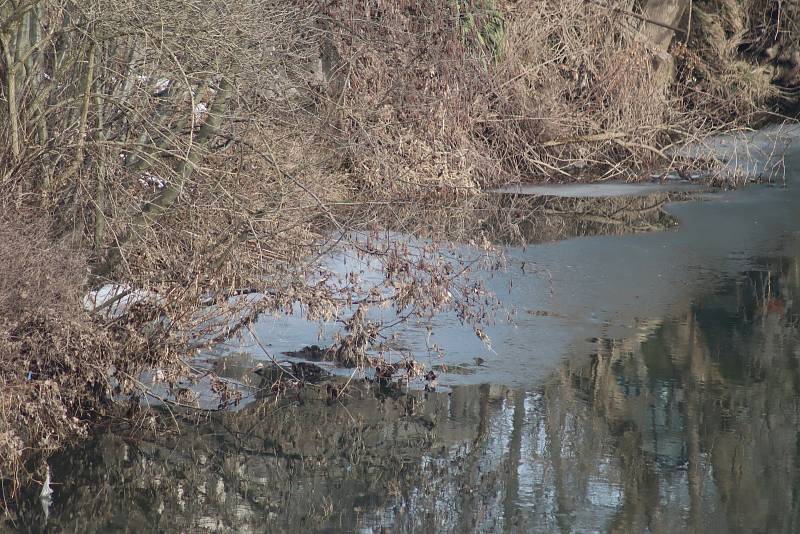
{"x":656,"y":363}
{"x":220,"y":171}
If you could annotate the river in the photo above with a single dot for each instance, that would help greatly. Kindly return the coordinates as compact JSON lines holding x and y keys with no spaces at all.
{"x":648,"y":382}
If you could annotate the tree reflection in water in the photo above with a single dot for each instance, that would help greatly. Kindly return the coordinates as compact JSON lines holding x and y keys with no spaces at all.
{"x":691,"y":425}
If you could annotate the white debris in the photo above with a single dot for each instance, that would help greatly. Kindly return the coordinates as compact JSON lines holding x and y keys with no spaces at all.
{"x":200,"y":111}
{"x":151,"y":180}
{"x":113,"y":300}
{"x":159,"y":85}
{"x":46,"y":495}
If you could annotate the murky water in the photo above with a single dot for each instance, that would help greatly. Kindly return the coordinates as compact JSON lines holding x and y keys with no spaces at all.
{"x":649,"y":383}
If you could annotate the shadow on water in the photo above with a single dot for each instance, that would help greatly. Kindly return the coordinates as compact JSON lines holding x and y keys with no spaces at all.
{"x":523,"y":219}
{"x":690,"y":424}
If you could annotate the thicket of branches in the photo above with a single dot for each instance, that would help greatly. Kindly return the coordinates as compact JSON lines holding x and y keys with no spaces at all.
{"x":180,"y":153}
{"x":123,"y":128}
{"x":190,"y":151}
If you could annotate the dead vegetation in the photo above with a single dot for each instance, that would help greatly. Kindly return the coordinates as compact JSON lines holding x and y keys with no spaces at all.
{"x":739,"y":60}
{"x":226,"y":153}
{"x":578,"y":93}
{"x":430,"y":97}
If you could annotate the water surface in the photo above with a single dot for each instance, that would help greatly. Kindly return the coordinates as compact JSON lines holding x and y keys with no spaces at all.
{"x":648,"y":383}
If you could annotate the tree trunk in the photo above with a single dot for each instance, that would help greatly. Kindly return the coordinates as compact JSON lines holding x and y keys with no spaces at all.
{"x":152,"y":211}
{"x":661,"y":17}
{"x":667,"y":13}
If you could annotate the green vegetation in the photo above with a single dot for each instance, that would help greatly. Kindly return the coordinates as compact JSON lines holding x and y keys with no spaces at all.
{"x":482,"y":21}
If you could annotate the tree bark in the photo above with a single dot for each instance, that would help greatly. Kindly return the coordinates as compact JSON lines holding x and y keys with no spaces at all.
{"x":666,"y":12}
{"x":152,"y":211}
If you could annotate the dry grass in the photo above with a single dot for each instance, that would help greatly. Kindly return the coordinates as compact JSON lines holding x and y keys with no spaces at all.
{"x":38,"y":274}
{"x":577,"y":95}
{"x":716,"y":77}
{"x":50,"y":353}
{"x":422,"y":100}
